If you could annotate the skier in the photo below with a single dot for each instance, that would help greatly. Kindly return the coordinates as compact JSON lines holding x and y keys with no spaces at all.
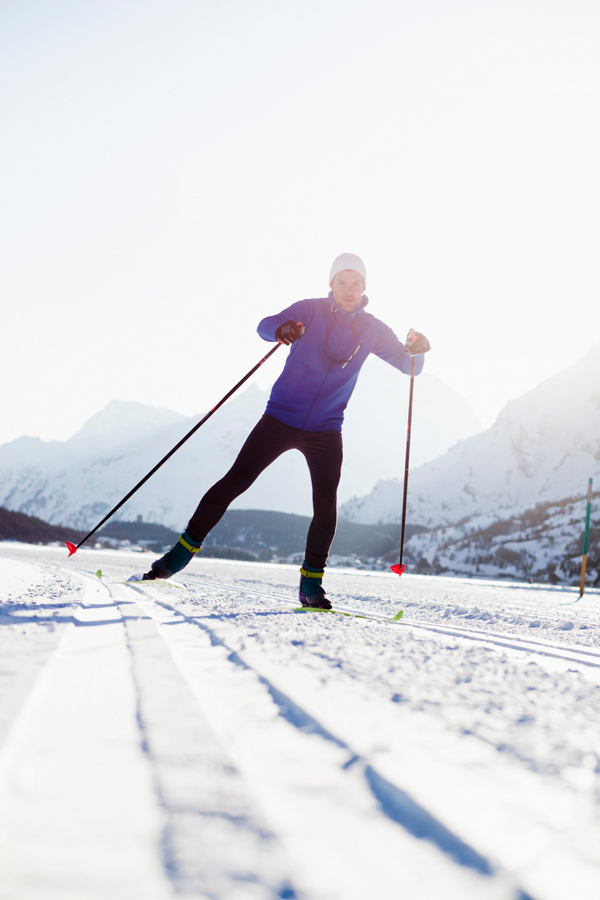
{"x":331,"y":338}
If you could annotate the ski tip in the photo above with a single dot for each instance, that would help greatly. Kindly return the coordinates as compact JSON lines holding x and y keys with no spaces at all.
{"x":71,"y":548}
{"x":398,"y":616}
{"x":398,"y":569}
{"x":98,"y":574}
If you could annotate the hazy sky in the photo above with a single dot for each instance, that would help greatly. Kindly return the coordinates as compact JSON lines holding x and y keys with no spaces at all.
{"x":174,"y":171}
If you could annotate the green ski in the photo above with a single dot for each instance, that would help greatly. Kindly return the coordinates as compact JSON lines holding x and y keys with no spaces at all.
{"x":350,"y":615}
{"x":159,"y":581}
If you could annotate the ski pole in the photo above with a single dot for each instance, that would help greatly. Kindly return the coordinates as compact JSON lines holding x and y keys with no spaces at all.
{"x":399,"y":567}
{"x":72,"y":548}
{"x":418,"y":344}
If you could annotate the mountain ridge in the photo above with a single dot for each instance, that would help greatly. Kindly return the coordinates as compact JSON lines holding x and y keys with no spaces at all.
{"x":542,"y":447}
{"x":78,"y":481}
{"x":537,"y":458}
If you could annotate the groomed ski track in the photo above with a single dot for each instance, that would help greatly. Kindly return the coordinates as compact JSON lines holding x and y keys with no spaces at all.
{"x":211,"y":743}
{"x":573,"y":654}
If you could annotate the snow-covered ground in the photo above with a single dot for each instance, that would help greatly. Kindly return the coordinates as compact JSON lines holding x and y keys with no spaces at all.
{"x":206,"y":741}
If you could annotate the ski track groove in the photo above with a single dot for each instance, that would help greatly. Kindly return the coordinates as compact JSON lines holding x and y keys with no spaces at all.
{"x":38,"y":881}
{"x":183,"y":879}
{"x":183,"y":874}
{"x":395,"y":803}
{"x":16,"y":729}
{"x":166,"y":850}
{"x":19,"y":727}
{"x":538,"y":615}
{"x":573,"y":654}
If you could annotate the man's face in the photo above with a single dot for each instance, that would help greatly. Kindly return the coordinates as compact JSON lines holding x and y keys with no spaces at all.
{"x":347,"y":288}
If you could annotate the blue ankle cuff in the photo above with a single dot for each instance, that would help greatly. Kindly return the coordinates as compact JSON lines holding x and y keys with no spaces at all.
{"x":311,"y":585}
{"x":179,"y":555}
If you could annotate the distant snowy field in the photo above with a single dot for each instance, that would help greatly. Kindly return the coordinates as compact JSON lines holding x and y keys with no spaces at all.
{"x":207,"y":742}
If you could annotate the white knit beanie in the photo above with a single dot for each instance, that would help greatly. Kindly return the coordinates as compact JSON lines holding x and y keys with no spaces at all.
{"x":348,"y":261}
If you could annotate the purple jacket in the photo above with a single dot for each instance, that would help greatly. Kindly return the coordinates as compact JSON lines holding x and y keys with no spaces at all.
{"x":322,"y":367}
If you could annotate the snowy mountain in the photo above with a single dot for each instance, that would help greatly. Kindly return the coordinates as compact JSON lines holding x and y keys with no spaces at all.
{"x":375,"y":424}
{"x":543,"y":447}
{"x":539,"y":544}
{"x":538,"y":456}
{"x":78,"y":481}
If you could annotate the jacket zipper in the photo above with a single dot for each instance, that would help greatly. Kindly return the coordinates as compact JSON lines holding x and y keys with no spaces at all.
{"x":327,"y":374}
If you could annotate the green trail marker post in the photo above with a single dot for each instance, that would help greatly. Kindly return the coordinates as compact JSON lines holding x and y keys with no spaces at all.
{"x":586,"y":538}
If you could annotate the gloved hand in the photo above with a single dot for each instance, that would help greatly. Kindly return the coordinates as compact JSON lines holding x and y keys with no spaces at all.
{"x":289,"y":332}
{"x":416,"y":343}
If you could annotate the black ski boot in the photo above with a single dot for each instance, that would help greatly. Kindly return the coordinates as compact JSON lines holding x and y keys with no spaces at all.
{"x":311,"y":592}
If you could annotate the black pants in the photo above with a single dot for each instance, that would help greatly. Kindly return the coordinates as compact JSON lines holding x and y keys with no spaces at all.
{"x":268,"y":440}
